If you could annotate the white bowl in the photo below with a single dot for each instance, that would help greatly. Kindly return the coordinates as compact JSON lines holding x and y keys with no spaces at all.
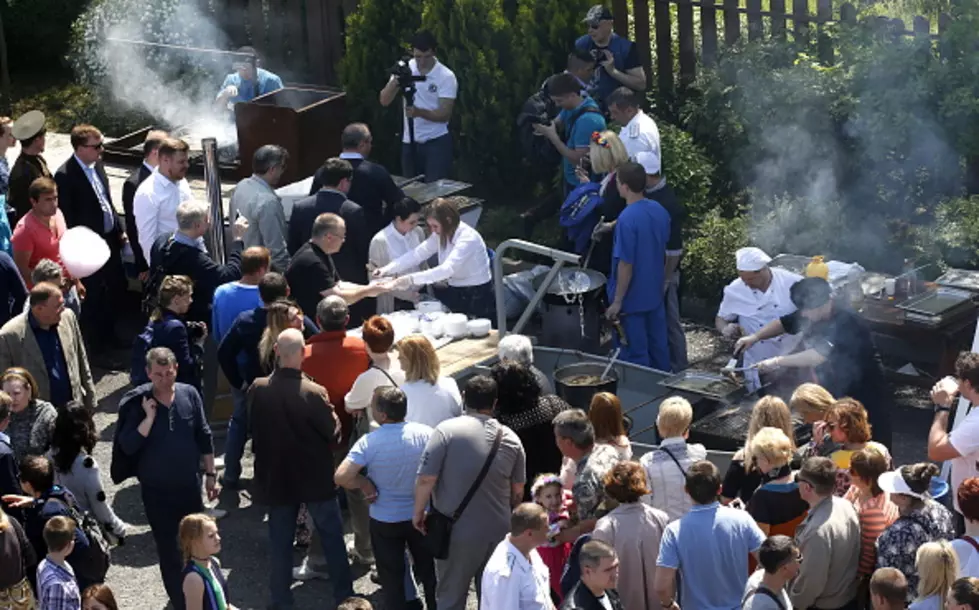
{"x":429,"y":306}
{"x":431,"y":325}
{"x":455,"y":325}
{"x":479,"y":327}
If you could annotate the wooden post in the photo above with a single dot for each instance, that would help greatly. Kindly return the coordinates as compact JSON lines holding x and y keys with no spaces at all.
{"x":756,"y":30}
{"x":620,"y":17}
{"x":708,"y":32}
{"x":295,"y":36}
{"x":234,"y":18}
{"x":800,"y":25}
{"x":256,"y":23}
{"x":944,"y":22}
{"x":664,"y":43}
{"x":6,"y":103}
{"x":824,"y":13}
{"x":848,"y":14}
{"x":688,"y":56}
{"x":316,"y":33}
{"x":777,"y":8}
{"x":922,"y":27}
{"x":732,"y":22}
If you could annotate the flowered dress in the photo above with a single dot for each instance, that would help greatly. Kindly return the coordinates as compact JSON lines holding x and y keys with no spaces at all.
{"x":897,"y":546}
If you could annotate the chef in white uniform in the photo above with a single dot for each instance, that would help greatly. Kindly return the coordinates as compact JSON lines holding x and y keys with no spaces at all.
{"x":515,"y":577}
{"x":758,"y":296}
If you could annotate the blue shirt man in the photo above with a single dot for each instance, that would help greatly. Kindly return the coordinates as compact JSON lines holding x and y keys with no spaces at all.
{"x":616,"y":58}
{"x":54,"y":360}
{"x":638,"y":280}
{"x":247,"y":81}
{"x":580,"y":117}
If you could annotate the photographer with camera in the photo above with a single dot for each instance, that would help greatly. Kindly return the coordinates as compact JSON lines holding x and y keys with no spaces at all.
{"x":429,"y":89}
{"x":616,"y":58}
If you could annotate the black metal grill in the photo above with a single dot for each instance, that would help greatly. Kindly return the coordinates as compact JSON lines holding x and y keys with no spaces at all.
{"x":725,"y":428}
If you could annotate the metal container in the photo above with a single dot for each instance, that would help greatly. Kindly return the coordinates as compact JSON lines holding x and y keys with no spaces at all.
{"x":571,"y":309}
{"x":710,"y":385}
{"x":212,"y":183}
{"x":579,"y":395}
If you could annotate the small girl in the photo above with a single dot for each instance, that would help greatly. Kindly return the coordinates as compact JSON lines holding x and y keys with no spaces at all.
{"x":549,"y":493}
{"x":204,"y":585}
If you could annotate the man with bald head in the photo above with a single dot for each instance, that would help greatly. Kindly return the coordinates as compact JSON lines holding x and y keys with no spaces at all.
{"x":293,"y":429}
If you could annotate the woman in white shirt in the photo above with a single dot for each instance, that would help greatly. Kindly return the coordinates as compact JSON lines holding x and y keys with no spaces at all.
{"x":431,"y":399}
{"x":463,"y":265}
{"x":392,"y":242}
{"x":967,"y":547}
{"x":384,"y":370}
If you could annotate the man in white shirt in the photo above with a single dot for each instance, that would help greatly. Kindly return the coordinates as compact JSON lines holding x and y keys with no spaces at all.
{"x":429,"y":114}
{"x":961,"y":445}
{"x":399,"y":237}
{"x":157,"y":198}
{"x":758,"y":296}
{"x":515,"y":577}
{"x":639,"y":132}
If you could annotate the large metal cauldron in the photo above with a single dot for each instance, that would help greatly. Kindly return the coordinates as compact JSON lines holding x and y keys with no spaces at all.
{"x":575,"y":296}
{"x":571,"y":383}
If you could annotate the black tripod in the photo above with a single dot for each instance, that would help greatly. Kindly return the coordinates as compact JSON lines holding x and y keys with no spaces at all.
{"x":407,"y":82}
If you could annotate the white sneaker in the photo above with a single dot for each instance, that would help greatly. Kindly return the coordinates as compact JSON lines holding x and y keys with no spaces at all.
{"x":306,"y":572}
{"x":216,"y":513}
{"x":219,"y":463}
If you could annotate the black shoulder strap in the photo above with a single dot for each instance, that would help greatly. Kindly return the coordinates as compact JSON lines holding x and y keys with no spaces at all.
{"x":482,"y":474}
{"x":673,"y":457}
{"x":971,"y":541}
{"x":764,"y":591}
{"x":577,"y":115}
{"x":386,"y":374}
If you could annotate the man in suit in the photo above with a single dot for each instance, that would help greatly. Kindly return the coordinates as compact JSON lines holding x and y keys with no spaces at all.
{"x":351,"y":259}
{"x":47,"y":342}
{"x":85,"y":200}
{"x":30,"y":165}
{"x":255,"y":199}
{"x":371,"y":187}
{"x":151,"y":158}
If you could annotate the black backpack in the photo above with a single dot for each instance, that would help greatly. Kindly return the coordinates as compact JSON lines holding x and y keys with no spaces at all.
{"x":151,"y":291}
{"x":539,"y":109}
{"x":93,"y":565}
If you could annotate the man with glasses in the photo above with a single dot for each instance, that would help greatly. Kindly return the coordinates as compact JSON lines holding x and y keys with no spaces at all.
{"x":616,"y":58}
{"x":248,"y":81}
{"x":85,"y":200}
{"x":779,"y":559}
{"x":599,"y":576}
{"x":829,"y":538}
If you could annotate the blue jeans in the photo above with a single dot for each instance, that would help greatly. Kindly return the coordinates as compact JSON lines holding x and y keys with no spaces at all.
{"x":434,"y":159}
{"x":282,"y":529}
{"x":234,"y":444}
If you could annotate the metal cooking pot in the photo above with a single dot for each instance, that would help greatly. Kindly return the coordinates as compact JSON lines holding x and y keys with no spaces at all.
{"x":572,"y":281}
{"x":580,"y":396}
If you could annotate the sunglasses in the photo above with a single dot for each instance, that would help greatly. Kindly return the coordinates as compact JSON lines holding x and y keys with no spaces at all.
{"x":594,"y":25}
{"x":98,"y":146}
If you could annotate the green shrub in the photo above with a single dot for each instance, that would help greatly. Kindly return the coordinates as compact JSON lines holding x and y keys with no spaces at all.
{"x":689,"y":171}
{"x":476,"y":41}
{"x":545,"y":31}
{"x":38,"y":31}
{"x":377,"y":36}
{"x":708,"y":262}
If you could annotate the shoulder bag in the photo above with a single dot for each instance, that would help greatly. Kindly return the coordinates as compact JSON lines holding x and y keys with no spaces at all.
{"x":438,"y":526}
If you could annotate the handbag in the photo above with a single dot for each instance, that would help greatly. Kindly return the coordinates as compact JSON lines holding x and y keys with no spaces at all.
{"x":17,"y":597}
{"x":438,"y":526}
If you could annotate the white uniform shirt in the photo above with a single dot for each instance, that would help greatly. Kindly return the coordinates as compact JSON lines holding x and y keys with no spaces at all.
{"x":752,"y":309}
{"x":462,"y":262}
{"x":440,"y":82}
{"x":965,"y":439}
{"x":640,"y":135}
{"x":388,"y":245}
{"x":511,"y":582}
{"x":155,"y":208}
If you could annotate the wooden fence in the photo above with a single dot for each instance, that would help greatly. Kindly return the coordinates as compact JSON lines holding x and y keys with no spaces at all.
{"x":303,"y":36}
{"x":732,"y":17}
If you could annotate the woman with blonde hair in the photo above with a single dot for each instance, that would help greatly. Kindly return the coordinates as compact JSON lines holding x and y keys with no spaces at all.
{"x":463,"y":264}
{"x":811,"y":402}
{"x":938,"y":568}
{"x":432,"y":398}
{"x":605,"y":413}
{"x":742,"y":478}
{"x":204,"y":585}
{"x":17,"y":561}
{"x":279,"y":316}
{"x":167,"y":328}
{"x":776,"y":505}
{"x":606,"y":153}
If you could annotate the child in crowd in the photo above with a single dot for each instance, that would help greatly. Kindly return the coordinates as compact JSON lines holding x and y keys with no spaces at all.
{"x":99,"y":597}
{"x":204,"y":585}
{"x":549,"y":493}
{"x":56,"y":584}
{"x":355,"y":603}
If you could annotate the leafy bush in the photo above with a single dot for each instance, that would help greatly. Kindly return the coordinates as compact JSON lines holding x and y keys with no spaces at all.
{"x":546,"y":31}
{"x":38,"y":31}
{"x":708,"y":262}
{"x":689,"y":171}
{"x":377,"y":36}
{"x":68,"y":105}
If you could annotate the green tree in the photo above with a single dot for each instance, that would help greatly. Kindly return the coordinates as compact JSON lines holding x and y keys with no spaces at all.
{"x":546,"y":31}
{"x":377,"y":36}
{"x":476,"y":42}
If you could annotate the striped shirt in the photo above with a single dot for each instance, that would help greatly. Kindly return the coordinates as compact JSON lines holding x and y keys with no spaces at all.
{"x":57,"y":587}
{"x":391,"y":455}
{"x":875,"y":514}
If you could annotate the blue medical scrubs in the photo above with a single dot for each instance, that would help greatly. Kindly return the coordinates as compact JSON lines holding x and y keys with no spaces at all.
{"x":640,"y":239}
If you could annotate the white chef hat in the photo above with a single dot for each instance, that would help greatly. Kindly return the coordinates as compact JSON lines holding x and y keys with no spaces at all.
{"x":752,"y":259}
{"x":650,"y":162}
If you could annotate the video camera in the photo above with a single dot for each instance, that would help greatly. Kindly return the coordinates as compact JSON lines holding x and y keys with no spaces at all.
{"x":406,"y":80}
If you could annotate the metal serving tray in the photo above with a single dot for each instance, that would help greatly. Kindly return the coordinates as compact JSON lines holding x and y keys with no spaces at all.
{"x":936,"y":306}
{"x":711,"y":385}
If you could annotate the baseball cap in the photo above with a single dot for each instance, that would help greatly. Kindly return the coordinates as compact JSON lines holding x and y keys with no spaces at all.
{"x":597,"y":13}
{"x":650,"y":162}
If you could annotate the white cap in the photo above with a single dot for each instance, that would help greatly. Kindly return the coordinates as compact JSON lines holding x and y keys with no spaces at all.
{"x":650,"y":162}
{"x":893,"y":483}
{"x":752,"y":259}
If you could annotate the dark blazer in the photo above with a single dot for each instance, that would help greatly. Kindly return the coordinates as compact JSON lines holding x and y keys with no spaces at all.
{"x":200,"y":267}
{"x":581,"y":598}
{"x":128,"y":195}
{"x":242,"y":340}
{"x":373,"y":189}
{"x":170,"y":332}
{"x":13,"y":292}
{"x":26,"y":169}
{"x":293,"y":425}
{"x":80,"y":204}
{"x":9,"y":472}
{"x":351,"y":260}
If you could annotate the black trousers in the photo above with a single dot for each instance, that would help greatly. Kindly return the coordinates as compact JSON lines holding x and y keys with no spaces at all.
{"x":164,"y":510}
{"x":104,"y":290}
{"x":389,"y":541}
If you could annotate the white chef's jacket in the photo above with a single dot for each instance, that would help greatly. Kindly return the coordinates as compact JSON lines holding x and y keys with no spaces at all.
{"x":388,"y":245}
{"x":640,"y":135}
{"x":155,"y":208}
{"x":462,"y":262}
{"x":510,"y":582}
{"x":753,"y":309}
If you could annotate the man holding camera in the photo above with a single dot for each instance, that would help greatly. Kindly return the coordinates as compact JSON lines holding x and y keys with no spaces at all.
{"x":616,"y":58}
{"x":430,"y":92}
